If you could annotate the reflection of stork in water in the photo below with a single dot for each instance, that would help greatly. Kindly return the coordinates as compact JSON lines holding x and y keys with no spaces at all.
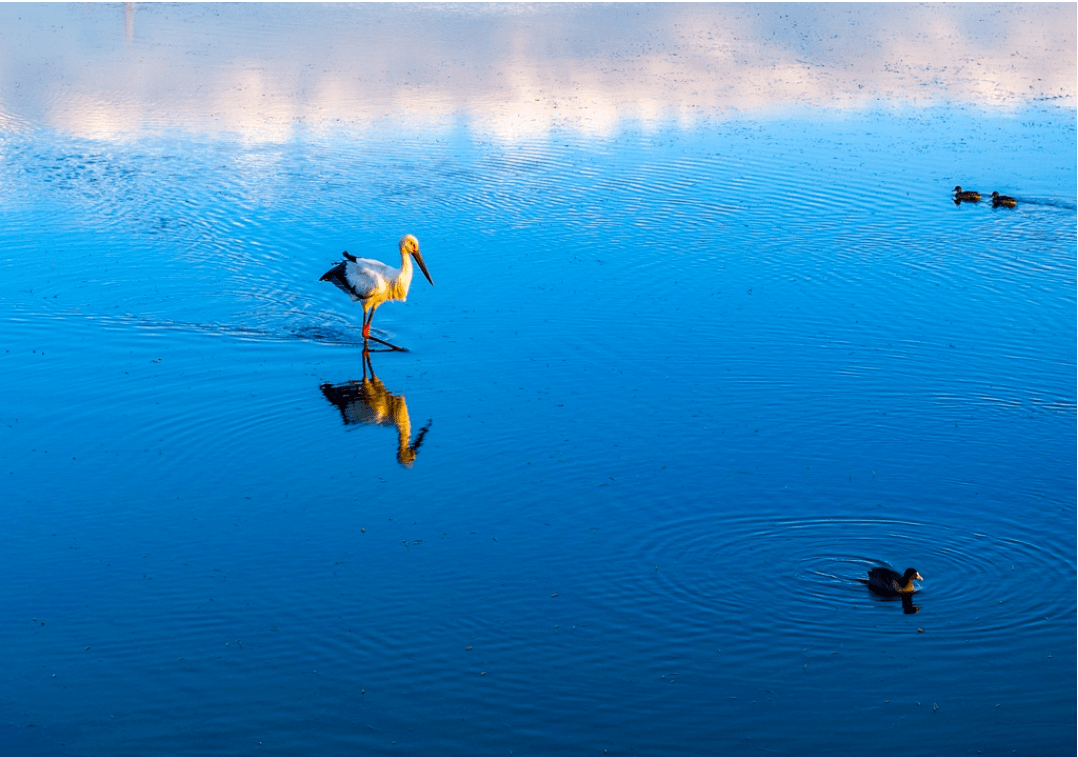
{"x":368,"y":401}
{"x":372,"y":282}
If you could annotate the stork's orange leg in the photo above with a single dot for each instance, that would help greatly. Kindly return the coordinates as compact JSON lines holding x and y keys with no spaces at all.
{"x":367,"y":325}
{"x":367,"y":334}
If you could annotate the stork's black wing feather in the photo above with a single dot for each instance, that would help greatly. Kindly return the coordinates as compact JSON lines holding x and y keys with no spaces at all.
{"x":336,"y":276}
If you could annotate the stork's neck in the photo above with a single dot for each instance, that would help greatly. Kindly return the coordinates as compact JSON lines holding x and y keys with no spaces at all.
{"x":404,"y":279}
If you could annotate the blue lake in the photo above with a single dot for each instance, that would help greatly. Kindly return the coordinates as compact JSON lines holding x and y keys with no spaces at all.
{"x":677,"y":388}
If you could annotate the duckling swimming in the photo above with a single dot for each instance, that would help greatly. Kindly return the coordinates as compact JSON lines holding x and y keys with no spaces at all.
{"x":889,"y":583}
{"x":1002,"y":200}
{"x":970,"y":196}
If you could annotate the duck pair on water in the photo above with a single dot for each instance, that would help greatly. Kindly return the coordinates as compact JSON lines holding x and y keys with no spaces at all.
{"x":998,"y":200}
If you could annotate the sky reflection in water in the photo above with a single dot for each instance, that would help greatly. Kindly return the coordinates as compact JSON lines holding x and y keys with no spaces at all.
{"x":513,"y":70}
{"x":698,"y":358}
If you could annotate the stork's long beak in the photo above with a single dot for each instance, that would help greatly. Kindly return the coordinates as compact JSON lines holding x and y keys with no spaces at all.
{"x":422,"y":266}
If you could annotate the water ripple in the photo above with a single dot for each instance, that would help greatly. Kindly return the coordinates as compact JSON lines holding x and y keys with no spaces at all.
{"x":805,"y":576}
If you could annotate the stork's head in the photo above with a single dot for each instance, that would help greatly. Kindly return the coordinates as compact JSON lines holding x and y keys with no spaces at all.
{"x":409,"y":245}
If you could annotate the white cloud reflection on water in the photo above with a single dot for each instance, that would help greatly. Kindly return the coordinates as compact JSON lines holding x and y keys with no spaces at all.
{"x":102,"y":71}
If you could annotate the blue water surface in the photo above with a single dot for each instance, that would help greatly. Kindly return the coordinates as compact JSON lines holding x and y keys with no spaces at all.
{"x":679,"y":388}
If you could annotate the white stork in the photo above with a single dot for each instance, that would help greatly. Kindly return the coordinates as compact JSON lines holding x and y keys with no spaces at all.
{"x":372,"y":282}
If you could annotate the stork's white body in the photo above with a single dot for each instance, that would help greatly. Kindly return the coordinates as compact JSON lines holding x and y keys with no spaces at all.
{"x":373,"y":282}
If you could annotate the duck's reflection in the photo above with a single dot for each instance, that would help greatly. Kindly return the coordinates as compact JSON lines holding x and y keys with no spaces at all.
{"x":369,"y":402}
{"x":908,"y":607}
{"x":879,"y":595}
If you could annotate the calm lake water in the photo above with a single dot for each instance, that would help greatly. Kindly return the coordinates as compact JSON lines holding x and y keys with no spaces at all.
{"x":677,"y":388}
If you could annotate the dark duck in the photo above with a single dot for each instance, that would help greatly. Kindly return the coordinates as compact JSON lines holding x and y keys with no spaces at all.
{"x":961,"y":197}
{"x":1004,"y":201}
{"x":889,"y":585}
